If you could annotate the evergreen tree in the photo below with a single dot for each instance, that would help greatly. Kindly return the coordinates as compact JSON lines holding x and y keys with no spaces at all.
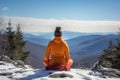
{"x":12,"y":43}
{"x":1,"y":24}
{"x":19,"y":45}
{"x":1,"y":27}
{"x":0,"y":36}
{"x":111,"y":56}
{"x":10,"y":47}
{"x":117,"y":58}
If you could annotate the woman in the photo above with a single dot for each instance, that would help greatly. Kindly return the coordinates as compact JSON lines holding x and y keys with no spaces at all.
{"x":57,"y":53}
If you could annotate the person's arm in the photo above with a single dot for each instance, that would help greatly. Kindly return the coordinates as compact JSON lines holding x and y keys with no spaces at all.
{"x":47,"y":53}
{"x":67,"y":53}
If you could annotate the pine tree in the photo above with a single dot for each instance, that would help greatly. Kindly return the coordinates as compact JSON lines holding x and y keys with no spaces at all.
{"x":116,"y":63}
{"x":1,"y":24}
{"x":19,"y":45}
{"x":111,"y":56}
{"x":0,"y":37}
{"x":13,"y":43}
{"x":1,"y":27}
{"x":10,"y":47}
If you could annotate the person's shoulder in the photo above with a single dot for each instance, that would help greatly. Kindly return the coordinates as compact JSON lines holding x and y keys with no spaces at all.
{"x":50,"y":42}
{"x":64,"y":42}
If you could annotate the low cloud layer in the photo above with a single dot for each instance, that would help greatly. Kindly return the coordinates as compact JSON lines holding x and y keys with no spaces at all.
{"x":48,"y":25}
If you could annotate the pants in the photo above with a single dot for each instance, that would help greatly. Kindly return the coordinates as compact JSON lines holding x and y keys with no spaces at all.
{"x":69,"y":63}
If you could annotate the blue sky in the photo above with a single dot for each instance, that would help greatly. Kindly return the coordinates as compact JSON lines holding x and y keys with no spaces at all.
{"x":71,"y":15}
{"x":63,"y":9}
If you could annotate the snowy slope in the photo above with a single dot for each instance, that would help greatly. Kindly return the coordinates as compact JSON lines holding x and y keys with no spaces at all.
{"x":8,"y":69}
{"x":4,"y":78}
{"x":10,"y":72}
{"x":75,"y":74}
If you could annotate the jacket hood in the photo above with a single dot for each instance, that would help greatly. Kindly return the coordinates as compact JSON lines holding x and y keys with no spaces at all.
{"x":57,"y":39}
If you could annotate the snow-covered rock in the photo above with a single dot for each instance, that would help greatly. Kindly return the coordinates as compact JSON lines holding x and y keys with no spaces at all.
{"x":73,"y":74}
{"x":10,"y":72}
{"x":111,"y":72}
{"x":61,"y":75}
{"x":8,"y":69}
{"x":4,"y":78}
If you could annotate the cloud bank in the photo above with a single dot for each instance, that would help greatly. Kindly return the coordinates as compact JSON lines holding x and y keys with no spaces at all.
{"x":48,"y":25}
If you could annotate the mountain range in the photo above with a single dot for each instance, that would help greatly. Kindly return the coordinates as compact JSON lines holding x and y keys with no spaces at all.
{"x":85,"y":48}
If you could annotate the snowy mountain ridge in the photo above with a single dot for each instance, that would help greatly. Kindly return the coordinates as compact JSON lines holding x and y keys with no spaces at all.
{"x":42,"y":74}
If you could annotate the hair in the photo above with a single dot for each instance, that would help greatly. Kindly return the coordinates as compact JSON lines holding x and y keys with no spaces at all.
{"x":58,"y":32}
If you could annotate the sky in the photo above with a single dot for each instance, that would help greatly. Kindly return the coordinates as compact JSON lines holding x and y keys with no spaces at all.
{"x":71,"y":15}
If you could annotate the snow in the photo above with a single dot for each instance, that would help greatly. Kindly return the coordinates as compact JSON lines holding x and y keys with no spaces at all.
{"x":28,"y":73}
{"x":78,"y":74}
{"x":4,"y":78}
{"x":6,"y":67}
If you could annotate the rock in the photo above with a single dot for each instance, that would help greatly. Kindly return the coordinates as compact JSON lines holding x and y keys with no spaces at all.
{"x":5,"y":74}
{"x":19,"y":63}
{"x":60,"y":75}
{"x":110,"y":72}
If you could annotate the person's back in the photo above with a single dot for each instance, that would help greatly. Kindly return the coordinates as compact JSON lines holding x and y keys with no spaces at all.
{"x":57,"y":52}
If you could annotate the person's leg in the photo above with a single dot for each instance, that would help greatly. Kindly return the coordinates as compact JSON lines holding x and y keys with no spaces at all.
{"x":70,"y":62}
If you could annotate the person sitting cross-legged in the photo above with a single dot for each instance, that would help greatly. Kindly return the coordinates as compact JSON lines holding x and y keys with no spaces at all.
{"x":57,"y":56}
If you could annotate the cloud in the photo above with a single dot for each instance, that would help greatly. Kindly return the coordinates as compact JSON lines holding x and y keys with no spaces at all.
{"x":48,"y":25}
{"x":5,"y":8}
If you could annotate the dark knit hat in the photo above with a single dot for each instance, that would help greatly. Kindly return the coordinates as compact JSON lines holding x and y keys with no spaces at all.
{"x":58,"y":32}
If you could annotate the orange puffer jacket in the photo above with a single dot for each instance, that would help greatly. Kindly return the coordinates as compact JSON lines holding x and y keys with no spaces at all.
{"x":57,"y":52}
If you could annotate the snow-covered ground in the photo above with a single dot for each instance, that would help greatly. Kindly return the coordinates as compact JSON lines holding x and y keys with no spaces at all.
{"x":8,"y":69}
{"x":41,"y":74}
{"x":75,"y":74}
